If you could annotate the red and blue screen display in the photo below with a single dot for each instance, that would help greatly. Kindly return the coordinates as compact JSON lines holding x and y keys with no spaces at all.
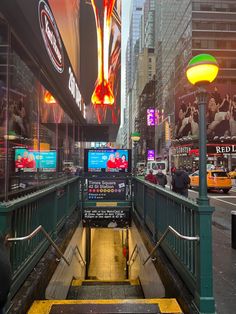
{"x":107,"y":160}
{"x":31,"y":160}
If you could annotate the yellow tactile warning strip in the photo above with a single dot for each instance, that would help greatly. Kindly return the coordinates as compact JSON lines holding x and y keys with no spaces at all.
{"x":79,"y":282}
{"x":76,"y":283}
{"x":166,"y":306}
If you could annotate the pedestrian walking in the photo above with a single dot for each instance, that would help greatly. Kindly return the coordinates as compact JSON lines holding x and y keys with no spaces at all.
{"x":161,"y":178}
{"x":180,"y":182}
{"x":150,"y":177}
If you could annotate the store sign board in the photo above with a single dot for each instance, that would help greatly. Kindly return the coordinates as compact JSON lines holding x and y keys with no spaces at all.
{"x":106,"y":217}
{"x":51,"y":36}
{"x":104,"y":189}
{"x":221,"y":149}
{"x":150,"y":116}
{"x":151,"y":154}
{"x":181,"y":150}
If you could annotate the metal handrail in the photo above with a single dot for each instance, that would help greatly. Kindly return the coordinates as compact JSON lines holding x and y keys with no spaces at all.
{"x":130,"y":259}
{"x":35,"y":232}
{"x":76,"y":248}
{"x":197,"y":238}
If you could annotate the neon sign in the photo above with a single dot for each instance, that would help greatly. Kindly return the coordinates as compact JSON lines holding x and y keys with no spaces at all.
{"x":51,"y":37}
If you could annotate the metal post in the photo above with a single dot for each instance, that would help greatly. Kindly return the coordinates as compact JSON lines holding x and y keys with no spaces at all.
{"x":6,"y":141}
{"x":204,"y":291}
{"x":202,"y":99}
{"x":233,"y":229}
{"x":135,"y":154}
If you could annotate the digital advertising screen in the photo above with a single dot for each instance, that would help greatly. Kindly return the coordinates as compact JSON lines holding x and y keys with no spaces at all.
{"x":104,"y":189}
{"x":100,"y":60}
{"x":31,"y":160}
{"x":107,"y":160}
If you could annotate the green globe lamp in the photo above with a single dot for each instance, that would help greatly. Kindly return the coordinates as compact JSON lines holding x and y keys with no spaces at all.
{"x":201,"y":71}
{"x":135,"y":136}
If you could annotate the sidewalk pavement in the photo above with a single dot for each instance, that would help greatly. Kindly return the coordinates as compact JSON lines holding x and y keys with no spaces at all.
{"x":224,"y":264}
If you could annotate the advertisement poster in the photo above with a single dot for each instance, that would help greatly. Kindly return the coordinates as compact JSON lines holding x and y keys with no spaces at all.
{"x":220,"y":112}
{"x":103,"y":189}
{"x":31,"y":160}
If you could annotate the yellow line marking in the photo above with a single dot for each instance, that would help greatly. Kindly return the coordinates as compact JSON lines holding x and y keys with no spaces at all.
{"x":76,"y":282}
{"x":106,"y":204}
{"x":79,"y":282}
{"x":166,"y":305}
{"x":134,"y":282}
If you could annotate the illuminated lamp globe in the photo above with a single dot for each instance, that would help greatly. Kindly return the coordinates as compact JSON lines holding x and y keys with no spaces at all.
{"x":202,"y":68}
{"x":135,"y":136}
{"x":10,"y":136}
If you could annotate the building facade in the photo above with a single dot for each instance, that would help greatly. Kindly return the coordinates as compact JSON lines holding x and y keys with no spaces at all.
{"x":187,"y":28}
{"x":42,"y":112}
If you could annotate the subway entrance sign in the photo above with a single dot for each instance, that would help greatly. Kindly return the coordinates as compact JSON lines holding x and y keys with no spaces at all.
{"x":106,"y":217}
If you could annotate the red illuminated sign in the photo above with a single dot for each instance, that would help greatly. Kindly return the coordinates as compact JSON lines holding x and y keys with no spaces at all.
{"x":51,"y":37}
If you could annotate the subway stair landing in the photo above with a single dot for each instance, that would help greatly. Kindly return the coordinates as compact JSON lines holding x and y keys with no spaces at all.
{"x":108,"y":297}
{"x":96,"y":289}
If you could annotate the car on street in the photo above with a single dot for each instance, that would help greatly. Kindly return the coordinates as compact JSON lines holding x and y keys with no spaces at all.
{"x":216,"y":180}
{"x":232,"y":174}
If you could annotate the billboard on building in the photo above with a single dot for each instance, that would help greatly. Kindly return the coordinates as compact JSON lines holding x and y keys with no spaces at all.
{"x":100,"y":60}
{"x":66,"y":14}
{"x":220,"y":112}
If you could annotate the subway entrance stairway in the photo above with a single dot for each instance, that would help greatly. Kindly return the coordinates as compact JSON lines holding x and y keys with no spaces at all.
{"x":108,"y":291}
{"x":152,"y":236}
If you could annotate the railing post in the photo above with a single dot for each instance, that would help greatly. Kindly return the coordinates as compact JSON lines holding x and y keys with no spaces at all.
{"x":55,"y":214}
{"x":204,"y":299}
{"x":144,"y":203}
{"x":68,"y":200}
{"x":5,"y":221}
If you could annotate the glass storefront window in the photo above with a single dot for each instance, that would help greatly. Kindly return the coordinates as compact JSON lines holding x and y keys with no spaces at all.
{"x":36,"y":135}
{"x":3,"y":107}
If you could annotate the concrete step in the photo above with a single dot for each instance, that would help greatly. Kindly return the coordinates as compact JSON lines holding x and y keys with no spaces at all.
{"x":93,"y":282}
{"x":166,"y":306}
{"x":105,"y":291}
{"x":131,"y":308}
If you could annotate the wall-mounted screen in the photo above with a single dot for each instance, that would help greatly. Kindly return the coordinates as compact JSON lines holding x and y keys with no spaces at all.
{"x":107,"y":160}
{"x":31,"y":160}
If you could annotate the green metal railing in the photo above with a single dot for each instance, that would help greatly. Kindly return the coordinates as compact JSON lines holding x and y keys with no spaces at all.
{"x":160,"y":208}
{"x":48,"y":207}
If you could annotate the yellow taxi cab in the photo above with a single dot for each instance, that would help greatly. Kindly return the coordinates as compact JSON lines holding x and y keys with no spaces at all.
{"x":216,"y":180}
{"x":232,"y":174}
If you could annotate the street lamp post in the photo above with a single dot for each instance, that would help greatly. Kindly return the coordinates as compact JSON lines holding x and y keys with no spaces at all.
{"x":135,"y":137}
{"x":202,"y":70}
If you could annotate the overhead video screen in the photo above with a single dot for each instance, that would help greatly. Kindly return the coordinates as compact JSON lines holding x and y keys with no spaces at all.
{"x":107,"y":160}
{"x":31,"y":160}
{"x":100,"y":60}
